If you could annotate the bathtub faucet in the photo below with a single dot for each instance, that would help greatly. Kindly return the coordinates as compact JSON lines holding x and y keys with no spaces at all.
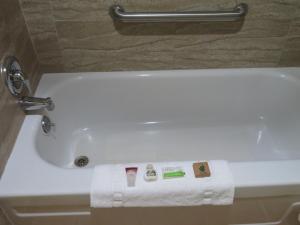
{"x":33,"y":103}
{"x":19,"y":86}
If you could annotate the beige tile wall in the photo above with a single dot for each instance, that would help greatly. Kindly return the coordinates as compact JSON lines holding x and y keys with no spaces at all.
{"x":79,"y":35}
{"x":291,"y":53}
{"x":14,"y":40}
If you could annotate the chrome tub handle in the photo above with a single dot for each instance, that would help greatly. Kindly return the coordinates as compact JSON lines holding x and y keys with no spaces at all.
{"x":118,"y":13}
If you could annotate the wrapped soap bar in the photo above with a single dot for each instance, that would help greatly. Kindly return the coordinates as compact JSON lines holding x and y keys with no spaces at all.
{"x":172,"y":172}
{"x":201,"y":169}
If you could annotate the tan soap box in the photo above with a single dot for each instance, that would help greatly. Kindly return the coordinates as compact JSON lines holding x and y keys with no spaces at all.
{"x":201,"y":169}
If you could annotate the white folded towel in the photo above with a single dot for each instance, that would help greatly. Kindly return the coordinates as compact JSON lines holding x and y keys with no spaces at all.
{"x":109,"y":186}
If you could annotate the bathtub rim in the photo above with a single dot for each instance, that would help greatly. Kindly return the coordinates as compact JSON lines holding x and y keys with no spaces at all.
{"x":48,"y":82}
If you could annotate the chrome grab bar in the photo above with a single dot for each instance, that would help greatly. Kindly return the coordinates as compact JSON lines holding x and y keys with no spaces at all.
{"x":118,"y":13}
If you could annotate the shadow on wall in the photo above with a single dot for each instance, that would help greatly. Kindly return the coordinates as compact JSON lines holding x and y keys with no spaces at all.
{"x":179,"y":28}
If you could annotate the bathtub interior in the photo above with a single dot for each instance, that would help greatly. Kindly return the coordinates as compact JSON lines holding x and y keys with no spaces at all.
{"x":143,"y":117}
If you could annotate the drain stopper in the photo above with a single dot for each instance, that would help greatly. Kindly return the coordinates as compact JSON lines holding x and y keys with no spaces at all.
{"x":81,"y":161}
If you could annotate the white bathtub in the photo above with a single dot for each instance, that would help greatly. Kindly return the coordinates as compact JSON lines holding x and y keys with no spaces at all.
{"x":250,"y":117}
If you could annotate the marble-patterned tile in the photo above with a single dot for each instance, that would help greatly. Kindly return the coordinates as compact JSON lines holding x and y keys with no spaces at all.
{"x":97,"y":60}
{"x":207,"y":28}
{"x":42,"y":29}
{"x":52,"y":68}
{"x":15,"y":40}
{"x":295,"y":28}
{"x":13,"y":17}
{"x":52,"y":57}
{"x":9,"y":128}
{"x":103,"y":36}
{"x":227,"y":51}
{"x":48,"y":49}
{"x":229,"y":43}
{"x":291,"y":51}
{"x":29,"y":62}
{"x":292,"y":43}
{"x":244,"y":28}
{"x":210,"y":58}
{"x":36,"y":7}
{"x":4,"y":36}
{"x":271,"y":9}
{"x":247,"y":30}
{"x":85,"y":26}
{"x":144,"y":29}
{"x":264,"y":28}
{"x":78,"y":10}
{"x":38,"y":15}
{"x":40,"y":21}
{"x":95,"y":10}
{"x":11,"y":117}
{"x":290,"y":58}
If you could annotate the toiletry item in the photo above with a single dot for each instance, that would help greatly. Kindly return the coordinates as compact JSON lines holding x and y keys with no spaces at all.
{"x":151,"y":174}
{"x":172,"y":172}
{"x":201,"y":169}
{"x":131,"y":175}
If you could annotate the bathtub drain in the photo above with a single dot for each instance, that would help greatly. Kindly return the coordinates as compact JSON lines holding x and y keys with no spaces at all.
{"x":81,"y":161}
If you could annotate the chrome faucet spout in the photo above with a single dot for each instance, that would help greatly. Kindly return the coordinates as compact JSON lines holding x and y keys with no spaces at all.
{"x":33,"y":103}
{"x":19,"y":86}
